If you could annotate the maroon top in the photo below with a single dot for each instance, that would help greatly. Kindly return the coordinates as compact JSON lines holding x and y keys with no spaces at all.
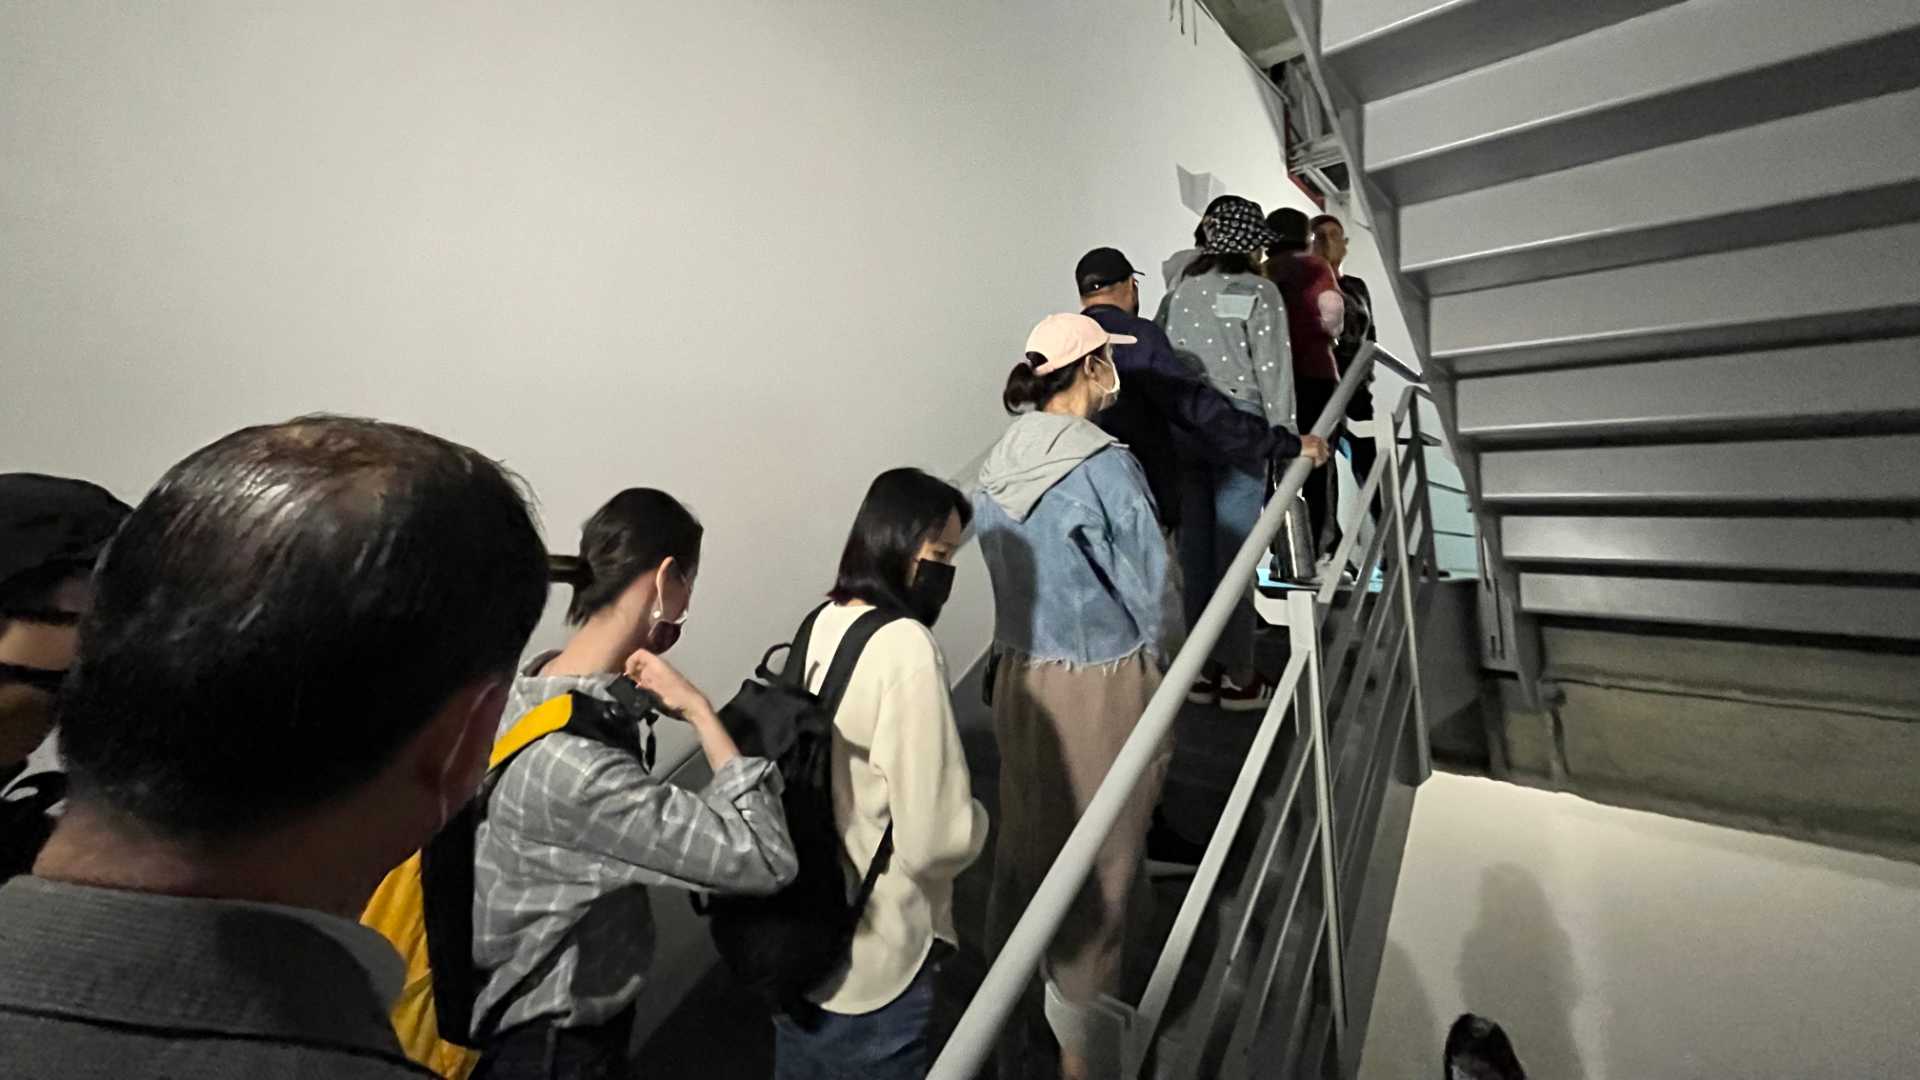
{"x":1303,"y":279}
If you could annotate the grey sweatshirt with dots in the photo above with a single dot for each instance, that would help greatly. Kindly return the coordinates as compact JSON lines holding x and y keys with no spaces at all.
{"x":1233,"y":328}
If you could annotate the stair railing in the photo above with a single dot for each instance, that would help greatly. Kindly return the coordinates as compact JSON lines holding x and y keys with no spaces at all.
{"x":1239,"y":982}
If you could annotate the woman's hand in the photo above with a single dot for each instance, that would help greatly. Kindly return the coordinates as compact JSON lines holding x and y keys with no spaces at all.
{"x":678,"y":697}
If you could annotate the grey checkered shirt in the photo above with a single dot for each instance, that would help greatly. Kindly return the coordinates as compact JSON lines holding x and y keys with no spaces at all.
{"x":575,"y":832}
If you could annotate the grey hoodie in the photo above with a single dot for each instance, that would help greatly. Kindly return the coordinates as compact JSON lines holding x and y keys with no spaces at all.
{"x":1038,"y":450}
{"x":1175,"y":265}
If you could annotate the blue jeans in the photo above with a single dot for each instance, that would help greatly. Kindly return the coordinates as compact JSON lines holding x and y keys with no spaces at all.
{"x":892,"y":1042}
{"x":1218,"y":512}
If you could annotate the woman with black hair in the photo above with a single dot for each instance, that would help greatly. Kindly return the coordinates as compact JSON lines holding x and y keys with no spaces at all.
{"x":576,"y":825}
{"x":1085,"y":622}
{"x":897,"y":765}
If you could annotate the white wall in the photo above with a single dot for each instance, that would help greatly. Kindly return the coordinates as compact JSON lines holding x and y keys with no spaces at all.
{"x":1618,"y":945}
{"x":753,"y":253}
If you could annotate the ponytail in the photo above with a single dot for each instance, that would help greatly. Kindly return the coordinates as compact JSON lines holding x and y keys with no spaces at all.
{"x":569,"y":570}
{"x":631,"y":535}
{"x":1027,"y":389}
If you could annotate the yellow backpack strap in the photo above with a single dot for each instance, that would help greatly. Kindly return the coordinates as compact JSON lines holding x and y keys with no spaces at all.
{"x":545,"y":719}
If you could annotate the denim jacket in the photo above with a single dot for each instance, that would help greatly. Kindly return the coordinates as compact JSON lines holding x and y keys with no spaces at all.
{"x":1073,"y":546}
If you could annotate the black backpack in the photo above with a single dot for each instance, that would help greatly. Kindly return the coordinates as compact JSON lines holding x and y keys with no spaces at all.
{"x":781,"y":946}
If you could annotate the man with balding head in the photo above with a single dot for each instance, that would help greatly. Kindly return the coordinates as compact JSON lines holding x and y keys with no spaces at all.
{"x":300,"y":643}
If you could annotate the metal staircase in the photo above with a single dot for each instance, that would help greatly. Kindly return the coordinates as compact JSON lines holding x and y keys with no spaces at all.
{"x":1665,"y":259}
{"x":1662,"y":261}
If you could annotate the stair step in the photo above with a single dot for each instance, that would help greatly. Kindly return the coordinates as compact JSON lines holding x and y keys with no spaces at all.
{"x":1382,"y":47}
{"x":1845,"y":610}
{"x":1671,"y":75}
{"x":1887,"y":546}
{"x":1864,"y":469}
{"x":1778,"y":389}
{"x":1848,"y":167}
{"x":1854,"y":285}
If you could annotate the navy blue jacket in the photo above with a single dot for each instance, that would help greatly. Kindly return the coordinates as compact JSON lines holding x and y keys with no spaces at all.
{"x":1168,"y":413}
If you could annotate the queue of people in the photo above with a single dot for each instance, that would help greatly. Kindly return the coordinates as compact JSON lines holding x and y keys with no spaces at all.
{"x":290,"y":593}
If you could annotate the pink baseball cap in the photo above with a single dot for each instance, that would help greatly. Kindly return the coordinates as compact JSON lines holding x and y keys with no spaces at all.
{"x":1062,"y":339}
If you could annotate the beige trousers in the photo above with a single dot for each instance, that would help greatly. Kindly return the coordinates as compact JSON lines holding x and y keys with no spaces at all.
{"x":1059,"y":729}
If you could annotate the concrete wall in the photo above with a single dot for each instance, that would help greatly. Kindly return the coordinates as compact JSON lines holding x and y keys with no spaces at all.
{"x":753,"y":253}
{"x":1619,"y":945}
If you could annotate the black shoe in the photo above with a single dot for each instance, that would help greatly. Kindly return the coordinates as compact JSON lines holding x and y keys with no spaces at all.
{"x":1167,"y":846}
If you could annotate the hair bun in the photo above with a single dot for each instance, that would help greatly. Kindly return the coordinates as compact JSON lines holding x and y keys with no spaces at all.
{"x":569,"y":570}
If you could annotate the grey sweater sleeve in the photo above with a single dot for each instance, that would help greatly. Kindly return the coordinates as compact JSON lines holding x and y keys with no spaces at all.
{"x":1272,"y":357}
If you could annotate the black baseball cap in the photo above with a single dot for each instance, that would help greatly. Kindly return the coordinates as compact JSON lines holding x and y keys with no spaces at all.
{"x":52,"y":521}
{"x":1100,"y":268}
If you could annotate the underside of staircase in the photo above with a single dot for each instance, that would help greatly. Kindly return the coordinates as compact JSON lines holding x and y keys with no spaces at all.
{"x":1661,"y":262}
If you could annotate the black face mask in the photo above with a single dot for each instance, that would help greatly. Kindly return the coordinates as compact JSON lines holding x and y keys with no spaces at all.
{"x":45,"y":679}
{"x":932,"y":584}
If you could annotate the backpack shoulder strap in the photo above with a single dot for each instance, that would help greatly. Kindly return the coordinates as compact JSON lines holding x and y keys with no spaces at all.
{"x":614,"y":723}
{"x":447,"y":879}
{"x":794,"y":673}
{"x":882,"y":856}
{"x":543,"y":719}
{"x":847,"y":656}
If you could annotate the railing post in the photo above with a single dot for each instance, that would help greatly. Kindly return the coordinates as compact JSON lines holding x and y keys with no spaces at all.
{"x":1303,"y":627}
{"x":1410,"y":405}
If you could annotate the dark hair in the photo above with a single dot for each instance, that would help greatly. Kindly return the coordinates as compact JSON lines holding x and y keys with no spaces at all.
{"x":1323,"y":219}
{"x":1027,"y":389}
{"x":902,"y":509}
{"x":1230,"y":262}
{"x":1478,"y":1049}
{"x":634,"y":532}
{"x":1290,"y":226}
{"x":284,"y":610}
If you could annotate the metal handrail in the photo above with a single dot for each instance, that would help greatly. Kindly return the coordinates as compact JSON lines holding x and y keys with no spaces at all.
{"x":1002,"y":989}
{"x":1394,"y":364}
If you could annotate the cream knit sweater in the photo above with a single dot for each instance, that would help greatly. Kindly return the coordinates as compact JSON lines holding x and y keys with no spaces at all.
{"x":896,"y":758}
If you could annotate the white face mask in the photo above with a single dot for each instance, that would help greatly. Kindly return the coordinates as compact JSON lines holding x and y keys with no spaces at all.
{"x":1110,"y":395}
{"x":447,"y":780}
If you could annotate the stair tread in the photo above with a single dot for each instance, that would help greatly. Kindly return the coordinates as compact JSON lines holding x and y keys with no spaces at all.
{"x":1786,"y":390}
{"x":1887,"y":545}
{"x":1872,"y":611}
{"x":1386,"y":46}
{"x":1845,"y":167}
{"x":1853,"y":284}
{"x":1684,"y":44}
{"x":1809,"y":472}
